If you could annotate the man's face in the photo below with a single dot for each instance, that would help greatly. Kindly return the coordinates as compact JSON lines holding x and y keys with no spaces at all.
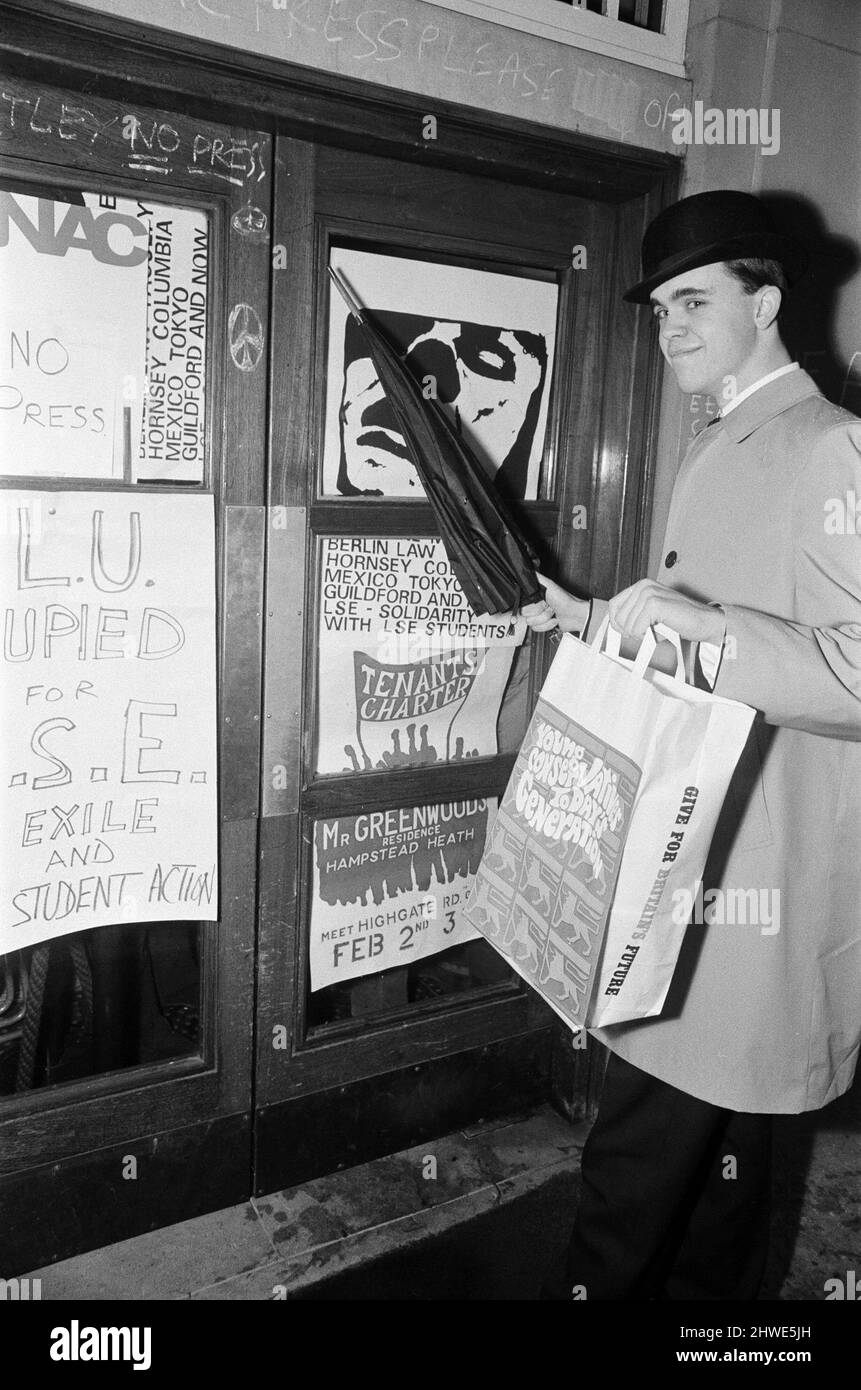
{"x":707,"y":328}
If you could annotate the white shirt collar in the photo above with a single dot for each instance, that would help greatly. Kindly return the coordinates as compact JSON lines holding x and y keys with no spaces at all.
{"x":763,"y":381}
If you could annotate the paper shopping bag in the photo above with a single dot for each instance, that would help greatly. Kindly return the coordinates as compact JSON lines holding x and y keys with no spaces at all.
{"x":607,"y":818}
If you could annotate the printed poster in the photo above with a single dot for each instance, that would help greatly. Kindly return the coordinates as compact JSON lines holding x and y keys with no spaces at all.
{"x":408,"y":675}
{"x":544,"y":889}
{"x":389,"y":886}
{"x":481,"y":343}
{"x":103,"y":313}
{"x":108,"y":796}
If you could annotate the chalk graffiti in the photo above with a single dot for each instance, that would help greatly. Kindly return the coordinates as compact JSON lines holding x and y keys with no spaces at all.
{"x":150,"y":144}
{"x":245,"y":336}
{"x":440,"y":54}
{"x":250,"y":222}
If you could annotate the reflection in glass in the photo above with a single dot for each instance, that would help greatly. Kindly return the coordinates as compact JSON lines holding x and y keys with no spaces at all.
{"x":646,"y":14}
{"x":97,"y":1001}
{"x":447,"y":976}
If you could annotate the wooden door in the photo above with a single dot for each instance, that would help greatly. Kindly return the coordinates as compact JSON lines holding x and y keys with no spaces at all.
{"x":125,"y":1049}
{"x":380,"y":1023}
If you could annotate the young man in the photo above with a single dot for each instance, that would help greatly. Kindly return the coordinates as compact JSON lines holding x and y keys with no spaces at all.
{"x":763,"y":1014}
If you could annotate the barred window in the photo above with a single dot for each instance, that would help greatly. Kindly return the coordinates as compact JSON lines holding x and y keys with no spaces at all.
{"x":648,"y":32}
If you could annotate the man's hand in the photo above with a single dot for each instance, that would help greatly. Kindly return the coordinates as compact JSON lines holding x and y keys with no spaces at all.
{"x":642,"y":605}
{"x":559,"y":609}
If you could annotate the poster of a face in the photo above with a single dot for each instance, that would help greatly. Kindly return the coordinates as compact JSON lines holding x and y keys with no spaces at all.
{"x":479,"y":342}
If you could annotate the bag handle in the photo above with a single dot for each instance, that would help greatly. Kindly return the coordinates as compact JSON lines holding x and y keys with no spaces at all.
{"x":650,"y":642}
{"x":609,"y":638}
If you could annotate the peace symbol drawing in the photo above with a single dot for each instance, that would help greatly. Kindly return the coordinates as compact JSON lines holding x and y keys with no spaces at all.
{"x":245,"y":335}
{"x":250,"y":221}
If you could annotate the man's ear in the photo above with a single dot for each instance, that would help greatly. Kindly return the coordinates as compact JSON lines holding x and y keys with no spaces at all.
{"x":768,"y":300}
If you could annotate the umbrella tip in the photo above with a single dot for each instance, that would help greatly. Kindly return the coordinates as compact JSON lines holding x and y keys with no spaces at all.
{"x":346,"y":294}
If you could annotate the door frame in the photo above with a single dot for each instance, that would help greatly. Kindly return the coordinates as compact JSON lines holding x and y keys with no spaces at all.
{"x":350,"y":1095}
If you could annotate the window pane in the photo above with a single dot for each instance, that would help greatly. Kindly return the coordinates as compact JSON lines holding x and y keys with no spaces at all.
{"x":647,"y":14}
{"x":103,"y":323}
{"x":489,"y":371}
{"x":387,"y":926}
{"x":407,"y":675}
{"x":98,"y":1001}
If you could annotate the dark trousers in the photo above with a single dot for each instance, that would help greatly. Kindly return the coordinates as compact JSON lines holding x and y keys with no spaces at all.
{"x":675,"y":1196}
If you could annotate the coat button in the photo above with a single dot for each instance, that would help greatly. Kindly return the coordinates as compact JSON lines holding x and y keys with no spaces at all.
{"x":671,"y":559}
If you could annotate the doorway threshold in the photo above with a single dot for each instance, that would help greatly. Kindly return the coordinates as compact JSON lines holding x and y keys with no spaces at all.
{"x":304,"y":1241}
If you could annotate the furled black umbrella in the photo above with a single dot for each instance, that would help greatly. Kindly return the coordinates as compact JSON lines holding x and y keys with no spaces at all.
{"x":491,"y":558}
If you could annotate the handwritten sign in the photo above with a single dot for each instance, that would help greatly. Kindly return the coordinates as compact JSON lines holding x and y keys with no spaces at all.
{"x":389,"y":886}
{"x":408,"y":675}
{"x":103,"y":311}
{"x":108,"y":808}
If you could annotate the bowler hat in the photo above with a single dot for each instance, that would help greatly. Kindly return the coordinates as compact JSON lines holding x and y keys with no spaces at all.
{"x":719,"y":226}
